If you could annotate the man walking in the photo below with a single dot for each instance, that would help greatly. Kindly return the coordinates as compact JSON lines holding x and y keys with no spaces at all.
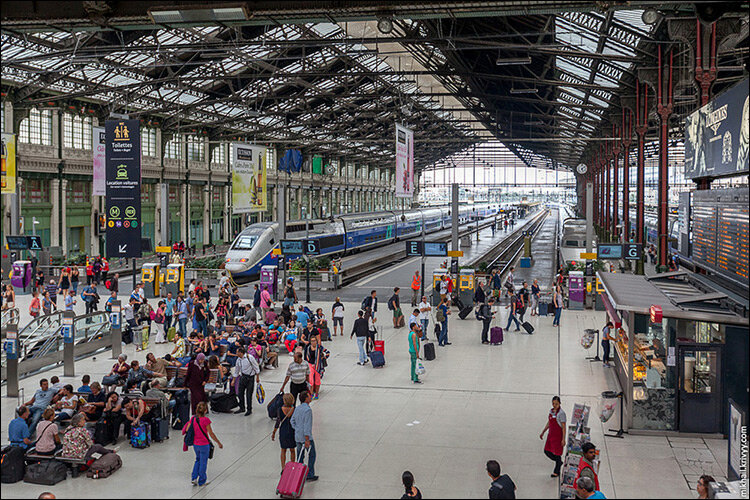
{"x":513,"y":306}
{"x":523,"y":295}
{"x":256,"y":302}
{"x":442,"y":318}
{"x":502,"y":485}
{"x":416,"y":284}
{"x":394,"y":304}
{"x":302,"y":421}
{"x":169,"y":307}
{"x":486,"y":314}
{"x":89,"y":297}
{"x":371,"y":302}
{"x":360,"y":330}
{"x":586,"y":465}
{"x":298,"y":373}
{"x":248,"y":371}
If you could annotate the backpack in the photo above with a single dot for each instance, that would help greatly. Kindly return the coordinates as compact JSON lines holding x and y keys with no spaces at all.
{"x":13,"y":465}
{"x":439,"y":315}
{"x":391,"y":306}
{"x":363,"y":305}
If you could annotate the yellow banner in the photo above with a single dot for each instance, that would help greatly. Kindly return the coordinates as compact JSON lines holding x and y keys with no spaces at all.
{"x":9,"y":164}
{"x":589,"y":256}
{"x":163,"y":249}
{"x":455,"y":253}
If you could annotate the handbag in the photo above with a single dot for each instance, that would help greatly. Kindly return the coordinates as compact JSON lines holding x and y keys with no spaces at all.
{"x":420,"y":368}
{"x":260,"y":394}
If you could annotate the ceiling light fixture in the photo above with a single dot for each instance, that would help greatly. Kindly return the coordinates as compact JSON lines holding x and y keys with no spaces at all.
{"x":650,"y":16}
{"x":199,"y":13}
{"x":512,"y":61}
{"x":532,"y":90}
{"x":385,"y":25}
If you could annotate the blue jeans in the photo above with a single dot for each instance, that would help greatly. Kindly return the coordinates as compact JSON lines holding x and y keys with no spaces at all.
{"x":183,"y":327}
{"x":203,"y":327}
{"x":289,"y":302}
{"x":512,"y":318}
{"x":558,"y":312}
{"x":167,"y":322}
{"x":443,"y":337}
{"x":310,"y":457}
{"x":424,"y":322}
{"x":361,"y":345}
{"x":35,"y":416}
{"x":74,"y":284}
{"x":201,"y":463}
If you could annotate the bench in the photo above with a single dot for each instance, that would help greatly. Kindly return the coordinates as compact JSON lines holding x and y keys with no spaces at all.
{"x":72,"y":463}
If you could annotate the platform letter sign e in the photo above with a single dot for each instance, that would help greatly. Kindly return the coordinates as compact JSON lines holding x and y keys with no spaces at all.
{"x":413,"y":248}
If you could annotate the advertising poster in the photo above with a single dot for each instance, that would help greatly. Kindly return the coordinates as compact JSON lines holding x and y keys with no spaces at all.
{"x":9,"y":164}
{"x":717,"y":136}
{"x":100,"y":174}
{"x":404,"y":162}
{"x":248,"y":178}
{"x":123,"y":187}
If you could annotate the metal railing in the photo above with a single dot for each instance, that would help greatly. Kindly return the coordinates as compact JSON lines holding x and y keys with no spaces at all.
{"x":9,"y":316}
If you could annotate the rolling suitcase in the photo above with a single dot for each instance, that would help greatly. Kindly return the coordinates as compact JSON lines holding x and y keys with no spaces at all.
{"x":293,"y":479}
{"x":102,"y":433}
{"x":379,"y":344}
{"x":429,"y":351}
{"x":171,"y":333}
{"x":543,"y":308}
{"x":181,"y":409}
{"x":159,"y":430}
{"x":527,"y":326}
{"x":496,"y":335}
{"x":465,"y":312}
{"x":458,"y":302}
{"x":377,"y":358}
{"x":140,"y":435}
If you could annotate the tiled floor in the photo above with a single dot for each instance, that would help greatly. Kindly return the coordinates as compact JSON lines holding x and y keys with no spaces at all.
{"x":477,"y":403}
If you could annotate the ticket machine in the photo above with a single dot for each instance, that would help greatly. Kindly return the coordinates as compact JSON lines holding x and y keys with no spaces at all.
{"x":437,"y":274}
{"x":268,"y":275}
{"x":174,"y":279}
{"x":576,"y":290}
{"x":22,"y":276}
{"x":150,"y":280}
{"x":466,"y":282}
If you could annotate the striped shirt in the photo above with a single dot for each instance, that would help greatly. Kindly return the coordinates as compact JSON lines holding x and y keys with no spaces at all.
{"x":52,"y":289}
{"x":298,"y":372}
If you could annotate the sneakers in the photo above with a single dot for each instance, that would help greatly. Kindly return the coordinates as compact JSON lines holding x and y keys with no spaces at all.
{"x":195,"y":482}
{"x":448,"y":343}
{"x":316,"y":397}
{"x":417,"y":381}
{"x":485,"y":342}
{"x":241,"y":410}
{"x":312,"y":478}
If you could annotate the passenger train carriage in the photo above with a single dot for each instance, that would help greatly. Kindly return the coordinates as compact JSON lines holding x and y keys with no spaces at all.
{"x":342,"y":235}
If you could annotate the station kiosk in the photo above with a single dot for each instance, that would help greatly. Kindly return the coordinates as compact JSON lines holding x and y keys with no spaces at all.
{"x":576,"y":290}
{"x":268,"y":275}
{"x":22,"y":276}
{"x":150,"y":280}
{"x":466,"y":286}
{"x":174,"y":279}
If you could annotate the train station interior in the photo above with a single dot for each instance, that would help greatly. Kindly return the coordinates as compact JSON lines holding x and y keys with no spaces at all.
{"x":327,"y":249}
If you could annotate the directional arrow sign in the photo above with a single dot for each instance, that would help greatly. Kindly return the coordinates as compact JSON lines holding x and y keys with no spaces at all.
{"x":121,"y":248}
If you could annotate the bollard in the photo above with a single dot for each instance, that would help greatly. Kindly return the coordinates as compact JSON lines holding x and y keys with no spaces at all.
{"x":11,"y":359}
{"x":69,"y":335}
{"x":115,"y":322}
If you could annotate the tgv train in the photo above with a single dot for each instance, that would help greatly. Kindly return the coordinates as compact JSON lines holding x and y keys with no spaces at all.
{"x":343,"y":234}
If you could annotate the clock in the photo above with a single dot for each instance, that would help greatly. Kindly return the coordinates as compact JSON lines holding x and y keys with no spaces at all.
{"x":582,"y":169}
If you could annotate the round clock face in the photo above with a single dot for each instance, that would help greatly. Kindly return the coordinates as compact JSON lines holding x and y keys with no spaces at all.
{"x":582,"y":169}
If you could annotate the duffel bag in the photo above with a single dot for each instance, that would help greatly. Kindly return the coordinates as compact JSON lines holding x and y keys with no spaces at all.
{"x":46,"y":472}
{"x":12,"y":463}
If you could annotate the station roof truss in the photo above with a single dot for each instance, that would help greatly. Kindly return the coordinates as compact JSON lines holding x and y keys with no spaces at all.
{"x":541,"y":78}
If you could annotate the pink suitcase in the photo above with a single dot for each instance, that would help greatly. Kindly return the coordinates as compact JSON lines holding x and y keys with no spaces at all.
{"x":292,"y":480}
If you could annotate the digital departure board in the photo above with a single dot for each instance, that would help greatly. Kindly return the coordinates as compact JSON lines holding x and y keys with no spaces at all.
{"x":721,"y":222}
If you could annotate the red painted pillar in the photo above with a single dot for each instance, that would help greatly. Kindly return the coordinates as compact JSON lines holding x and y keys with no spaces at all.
{"x":615,"y":184}
{"x":664,"y":108}
{"x":627,"y":133}
{"x":641,"y":119}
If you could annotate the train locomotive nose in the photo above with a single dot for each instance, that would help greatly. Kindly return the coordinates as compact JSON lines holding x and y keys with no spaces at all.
{"x":235,"y":267}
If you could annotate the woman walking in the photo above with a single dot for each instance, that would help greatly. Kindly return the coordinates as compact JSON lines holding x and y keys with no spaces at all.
{"x":195,"y":381}
{"x":555,"y":445}
{"x":372,"y":330}
{"x":286,"y":431}
{"x":36,"y":305}
{"x":9,"y":298}
{"x":316,"y":355}
{"x":203,"y":433}
{"x":47,"y":303}
{"x":74,"y":278}
{"x":64,"y":282}
{"x":410,"y":491}
{"x":414,"y":352}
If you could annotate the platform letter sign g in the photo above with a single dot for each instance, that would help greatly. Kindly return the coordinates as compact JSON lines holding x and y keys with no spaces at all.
{"x":631,"y":252}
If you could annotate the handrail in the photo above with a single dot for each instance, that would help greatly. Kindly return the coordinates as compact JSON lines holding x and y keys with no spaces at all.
{"x":9,"y":316}
{"x":35,"y":323}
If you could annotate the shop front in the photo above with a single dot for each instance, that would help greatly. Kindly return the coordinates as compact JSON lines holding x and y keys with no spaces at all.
{"x":681,"y":352}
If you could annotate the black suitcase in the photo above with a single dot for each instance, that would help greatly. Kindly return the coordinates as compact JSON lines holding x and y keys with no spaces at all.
{"x":102,"y":435}
{"x":377,"y":358}
{"x":46,"y":472}
{"x":274,"y":405}
{"x":13,"y":466}
{"x":458,"y":303}
{"x":527,"y":326}
{"x":223,"y":403}
{"x":429,"y":351}
{"x":159,"y":429}
{"x":181,"y":410}
{"x":465,"y":312}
